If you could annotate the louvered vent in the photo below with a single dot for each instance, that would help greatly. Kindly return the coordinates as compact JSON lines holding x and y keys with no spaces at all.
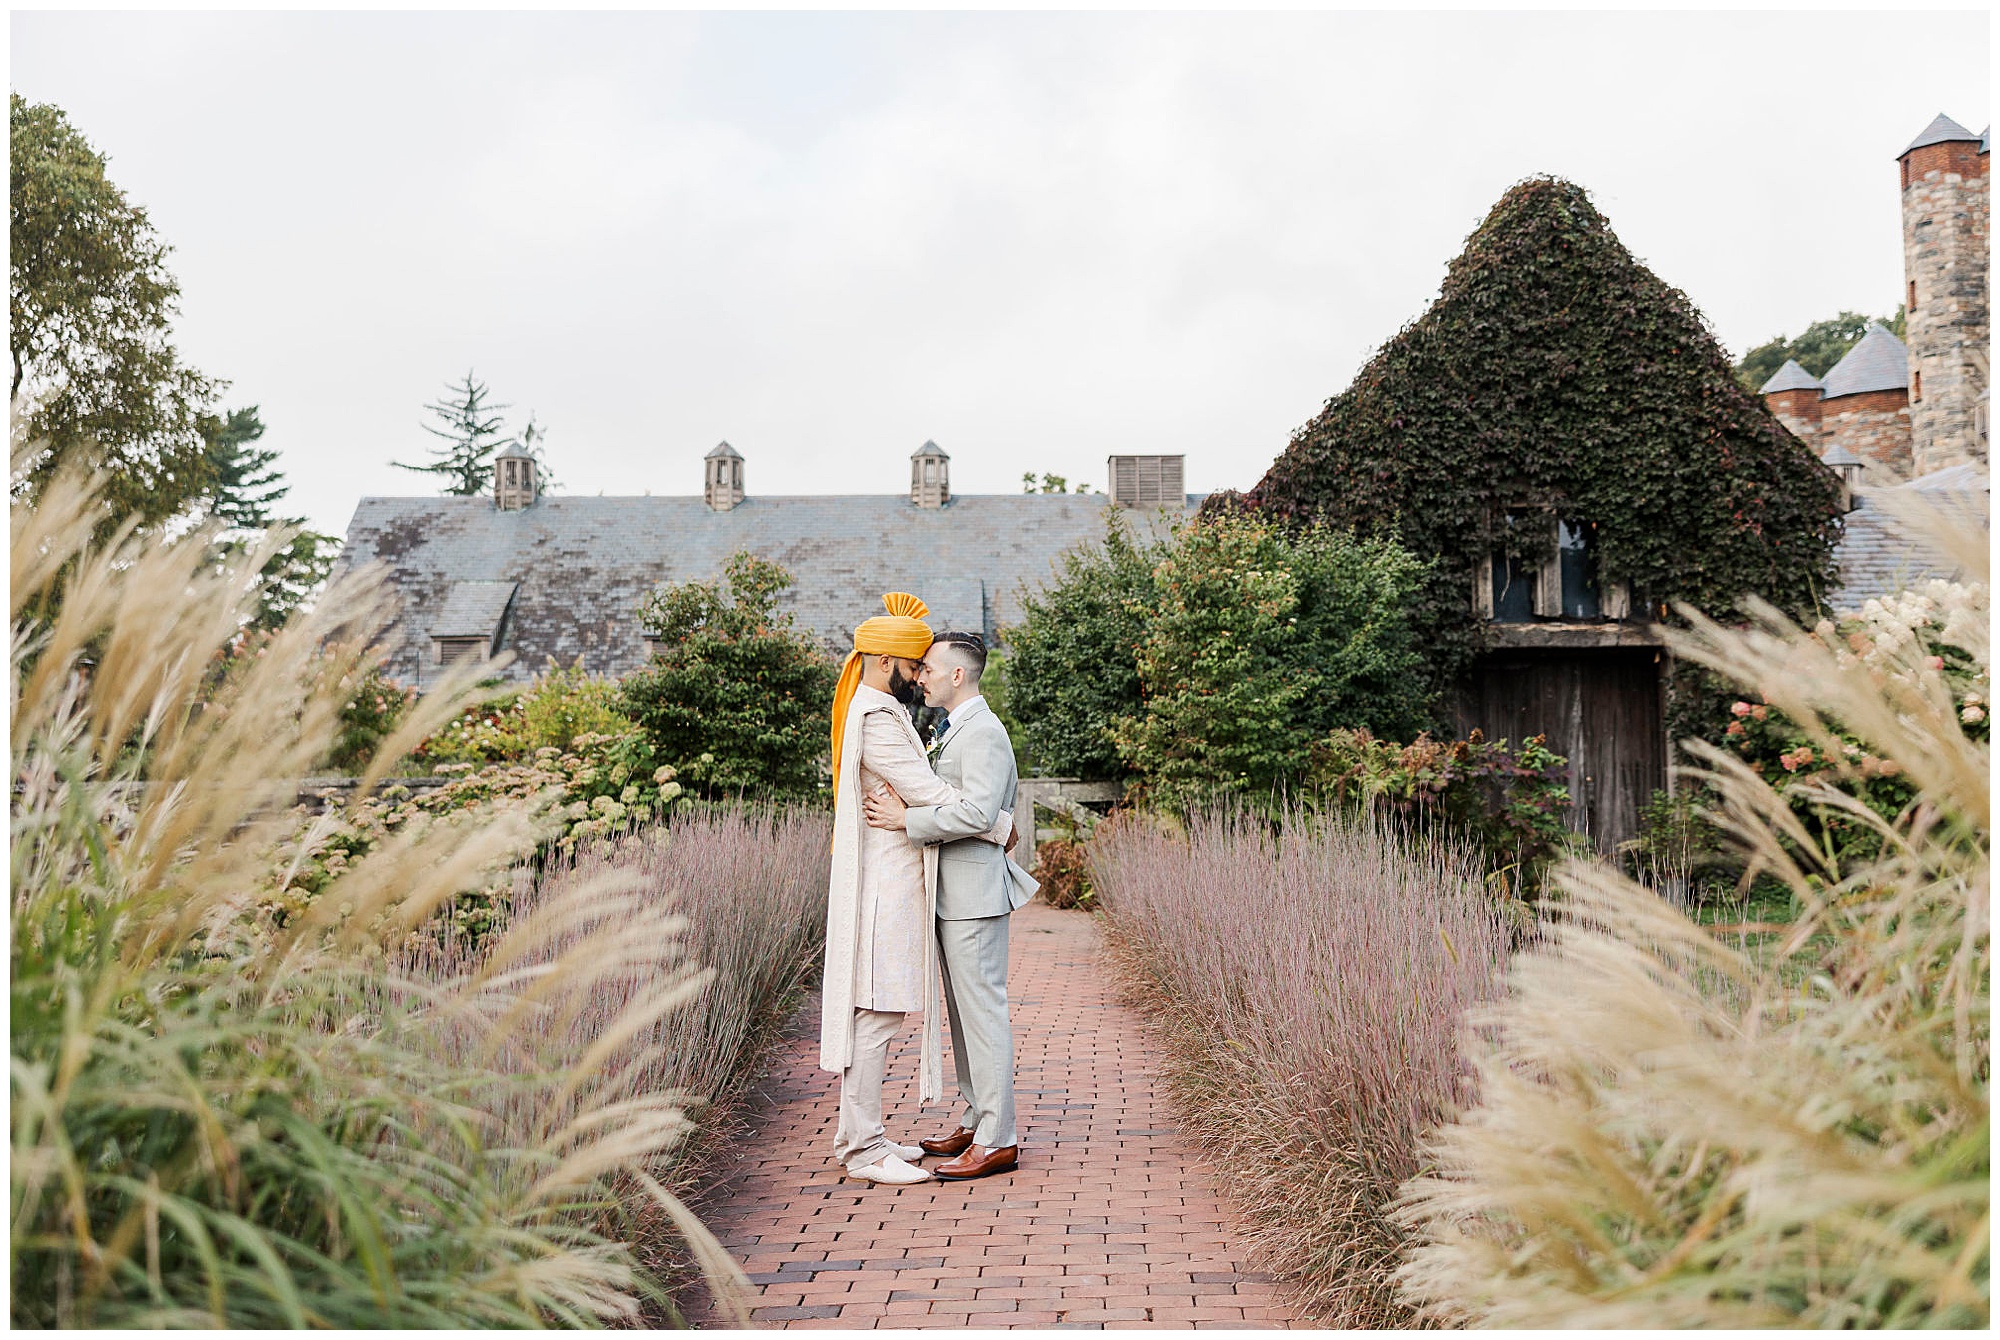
{"x":1148,"y":482}
{"x":452,"y":650}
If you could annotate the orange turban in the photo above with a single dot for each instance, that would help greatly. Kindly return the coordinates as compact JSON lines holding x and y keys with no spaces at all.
{"x":900,"y":632}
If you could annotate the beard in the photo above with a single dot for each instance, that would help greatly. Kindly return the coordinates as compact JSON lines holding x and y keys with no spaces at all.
{"x":904,"y":690}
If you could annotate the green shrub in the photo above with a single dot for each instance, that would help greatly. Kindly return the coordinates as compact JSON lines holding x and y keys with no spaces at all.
{"x":1063,"y":870}
{"x":1259,"y":642}
{"x":1072,"y":667}
{"x":553,"y":709}
{"x":1509,"y":803}
{"x":560,"y":705}
{"x":736,"y":699}
{"x":1679,"y":851}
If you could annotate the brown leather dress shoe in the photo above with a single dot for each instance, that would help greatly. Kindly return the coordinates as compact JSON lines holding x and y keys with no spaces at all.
{"x":978,"y":1161}
{"x":955,"y":1143}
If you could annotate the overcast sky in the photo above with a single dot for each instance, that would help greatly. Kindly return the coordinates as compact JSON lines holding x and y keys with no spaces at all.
{"x":1036,"y":238}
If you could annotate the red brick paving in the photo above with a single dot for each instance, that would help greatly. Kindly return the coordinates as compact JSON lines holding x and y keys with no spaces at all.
{"x":1110,"y":1222}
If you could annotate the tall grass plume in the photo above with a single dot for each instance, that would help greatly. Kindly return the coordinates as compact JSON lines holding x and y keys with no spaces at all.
{"x":1310,"y":977}
{"x":225,"y":1117}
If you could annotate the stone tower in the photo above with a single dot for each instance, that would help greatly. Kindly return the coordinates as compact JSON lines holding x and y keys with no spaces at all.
{"x":1865,"y":404}
{"x":722,"y":478}
{"x":1945,"y":269}
{"x":1793,"y":396}
{"x":930,"y":476}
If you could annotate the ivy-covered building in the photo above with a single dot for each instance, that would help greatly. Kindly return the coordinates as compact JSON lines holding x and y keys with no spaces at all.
{"x":1561,"y":432}
{"x":555,"y":578}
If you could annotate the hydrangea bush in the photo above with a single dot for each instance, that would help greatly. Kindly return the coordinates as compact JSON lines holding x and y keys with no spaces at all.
{"x":1924,"y":633}
{"x":602,"y":786}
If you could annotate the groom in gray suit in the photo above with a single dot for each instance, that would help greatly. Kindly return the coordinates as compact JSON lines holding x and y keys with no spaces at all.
{"x":978,"y":888}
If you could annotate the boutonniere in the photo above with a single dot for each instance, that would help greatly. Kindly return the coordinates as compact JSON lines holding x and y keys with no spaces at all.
{"x":935,"y":748}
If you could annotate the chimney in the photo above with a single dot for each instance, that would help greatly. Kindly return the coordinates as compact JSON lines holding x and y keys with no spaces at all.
{"x":1148,"y":482}
{"x":722,"y":478}
{"x":930,"y":476}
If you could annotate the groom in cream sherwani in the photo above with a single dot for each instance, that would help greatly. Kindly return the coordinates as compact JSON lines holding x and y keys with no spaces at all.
{"x":977,"y":889}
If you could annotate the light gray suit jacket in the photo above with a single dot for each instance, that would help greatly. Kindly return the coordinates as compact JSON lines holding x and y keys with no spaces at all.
{"x":975,"y":878}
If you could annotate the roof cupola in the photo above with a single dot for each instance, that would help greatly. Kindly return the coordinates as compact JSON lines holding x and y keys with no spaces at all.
{"x":722,"y":478}
{"x":930,"y":476}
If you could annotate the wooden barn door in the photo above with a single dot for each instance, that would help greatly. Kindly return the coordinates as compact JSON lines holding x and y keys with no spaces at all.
{"x":1600,"y":709}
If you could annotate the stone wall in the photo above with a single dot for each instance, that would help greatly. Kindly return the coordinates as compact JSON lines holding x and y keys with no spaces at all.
{"x":1945,"y":266}
{"x":1874,"y":425}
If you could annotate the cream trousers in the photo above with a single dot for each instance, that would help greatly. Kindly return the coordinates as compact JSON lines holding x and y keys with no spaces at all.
{"x":859,"y":1140}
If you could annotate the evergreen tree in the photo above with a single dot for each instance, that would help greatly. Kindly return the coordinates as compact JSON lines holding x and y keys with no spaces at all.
{"x":246,"y":480}
{"x":246,"y":486}
{"x":532,"y":439}
{"x":472,"y":433}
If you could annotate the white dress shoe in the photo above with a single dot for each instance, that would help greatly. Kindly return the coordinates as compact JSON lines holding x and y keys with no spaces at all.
{"x":907,"y":1153}
{"x":891,"y":1170}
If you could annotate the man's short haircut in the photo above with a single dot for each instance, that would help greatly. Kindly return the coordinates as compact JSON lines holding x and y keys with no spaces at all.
{"x":968,"y":648}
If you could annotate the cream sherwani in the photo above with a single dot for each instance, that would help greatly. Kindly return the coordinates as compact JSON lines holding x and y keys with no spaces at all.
{"x":881,"y":955}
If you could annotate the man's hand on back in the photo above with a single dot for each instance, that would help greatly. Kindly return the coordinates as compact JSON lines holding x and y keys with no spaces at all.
{"x":884,"y":808}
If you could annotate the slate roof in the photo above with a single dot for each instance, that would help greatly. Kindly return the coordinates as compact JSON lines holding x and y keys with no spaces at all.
{"x":1944,"y":130}
{"x":1838,"y":455}
{"x":1878,"y":362}
{"x":931,"y":449}
{"x":1876,"y":557}
{"x":725,"y":451}
{"x":1790,"y":377}
{"x":578,"y":567}
{"x":514,"y":449}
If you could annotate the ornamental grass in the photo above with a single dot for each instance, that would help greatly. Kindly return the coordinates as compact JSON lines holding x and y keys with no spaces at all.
{"x":1309,"y":977}
{"x":750,"y":890}
{"x":1673,"y":1131}
{"x":225,"y":1117}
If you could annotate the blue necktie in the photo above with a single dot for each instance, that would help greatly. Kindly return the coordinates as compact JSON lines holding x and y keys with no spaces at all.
{"x":944,"y":724}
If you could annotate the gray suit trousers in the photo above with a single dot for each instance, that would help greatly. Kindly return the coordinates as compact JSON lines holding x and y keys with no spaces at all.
{"x":973,"y":953}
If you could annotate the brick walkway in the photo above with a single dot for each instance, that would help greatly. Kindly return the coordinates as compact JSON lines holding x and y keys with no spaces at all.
{"x":1111,"y":1220}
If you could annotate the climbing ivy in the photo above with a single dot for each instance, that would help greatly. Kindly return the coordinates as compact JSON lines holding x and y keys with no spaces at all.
{"x":1556,"y":376}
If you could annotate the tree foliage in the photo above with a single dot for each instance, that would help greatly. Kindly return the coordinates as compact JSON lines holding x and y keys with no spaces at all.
{"x":1212,"y":659}
{"x":1072,"y":661}
{"x":1556,"y":376}
{"x":736,"y":699}
{"x":1050,"y":484}
{"x":90,"y":300}
{"x":245,"y":485}
{"x":246,"y":482}
{"x":473,"y":430}
{"x":1818,"y":347}
{"x":1260,"y":642}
